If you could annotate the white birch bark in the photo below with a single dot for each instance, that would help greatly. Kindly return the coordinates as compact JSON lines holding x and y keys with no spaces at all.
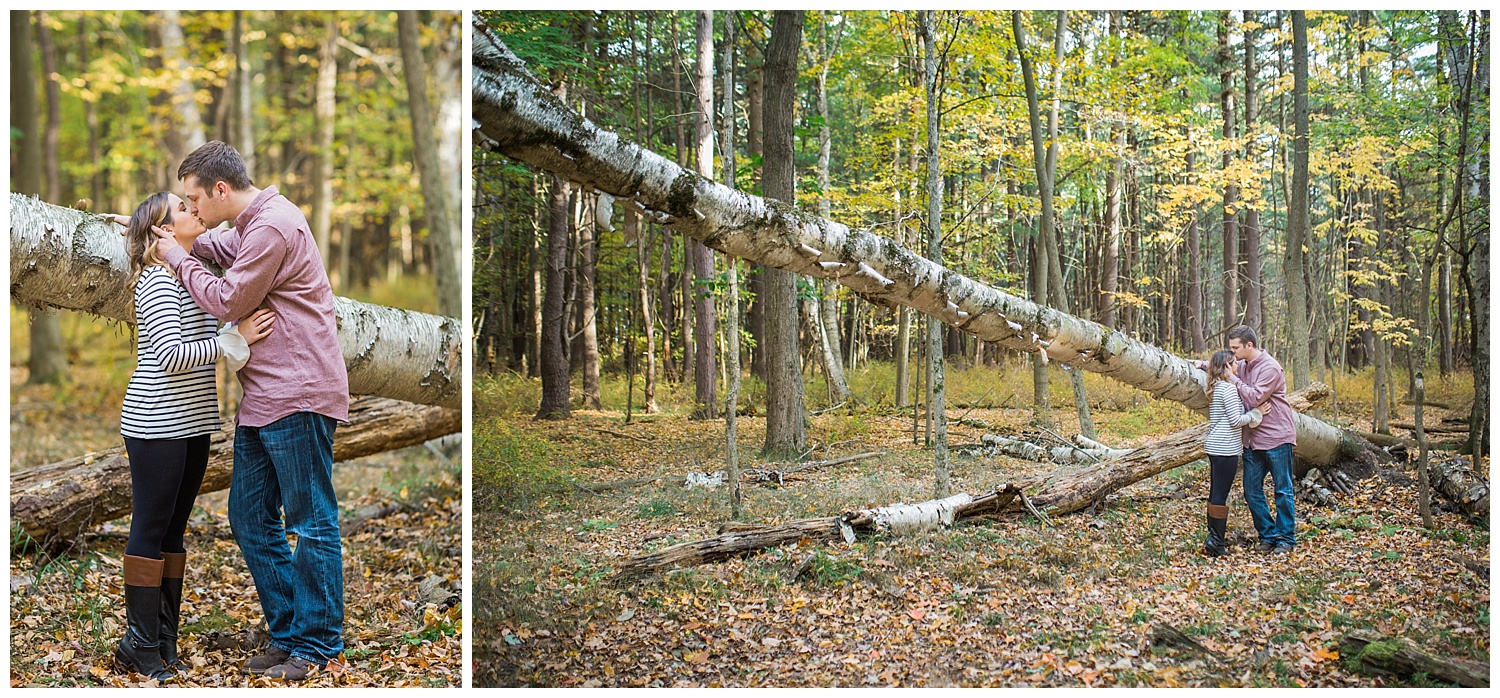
{"x":517,"y":116}
{"x":70,"y":259}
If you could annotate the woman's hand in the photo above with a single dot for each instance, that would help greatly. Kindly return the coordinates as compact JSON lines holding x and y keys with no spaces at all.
{"x":165,"y":239}
{"x":257,"y":325}
{"x":117,"y":219}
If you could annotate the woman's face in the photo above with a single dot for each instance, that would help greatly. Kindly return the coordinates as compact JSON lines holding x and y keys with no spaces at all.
{"x":185,"y":226}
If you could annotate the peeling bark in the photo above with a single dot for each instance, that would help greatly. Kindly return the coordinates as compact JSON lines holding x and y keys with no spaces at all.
{"x":519,"y":118}
{"x":70,"y":259}
{"x":55,"y":503}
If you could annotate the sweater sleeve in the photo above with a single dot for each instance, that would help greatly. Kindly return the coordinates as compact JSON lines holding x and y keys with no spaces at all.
{"x":158,"y":313}
{"x":247,"y":280}
{"x":1260,"y":387}
{"x":220,"y":245}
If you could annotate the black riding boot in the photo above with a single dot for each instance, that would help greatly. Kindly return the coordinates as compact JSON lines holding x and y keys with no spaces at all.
{"x":174,"y":564}
{"x":1214,"y":544}
{"x":139,"y":650}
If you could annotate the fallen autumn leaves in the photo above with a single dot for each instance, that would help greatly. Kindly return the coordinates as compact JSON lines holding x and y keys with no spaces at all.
{"x":1005,"y":602}
{"x":402,"y":573}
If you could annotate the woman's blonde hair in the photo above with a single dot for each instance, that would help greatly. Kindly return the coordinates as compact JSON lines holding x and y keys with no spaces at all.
{"x":140,"y":241}
{"x":1216,"y":366}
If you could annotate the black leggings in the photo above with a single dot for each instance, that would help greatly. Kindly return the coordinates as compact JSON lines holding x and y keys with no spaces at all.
{"x":1220,"y":477}
{"x":164,"y":478}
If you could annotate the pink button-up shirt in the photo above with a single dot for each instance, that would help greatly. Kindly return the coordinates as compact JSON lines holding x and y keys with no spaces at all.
{"x":1261,"y":383}
{"x":273,"y":263}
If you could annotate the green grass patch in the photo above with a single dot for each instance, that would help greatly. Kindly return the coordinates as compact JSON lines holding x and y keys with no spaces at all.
{"x":515,"y":469}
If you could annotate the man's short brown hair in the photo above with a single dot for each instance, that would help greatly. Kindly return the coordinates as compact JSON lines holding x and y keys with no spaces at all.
{"x":1245,"y":335}
{"x":216,"y":161}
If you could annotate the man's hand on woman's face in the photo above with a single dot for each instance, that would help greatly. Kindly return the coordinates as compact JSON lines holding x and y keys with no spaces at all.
{"x":166,"y":238}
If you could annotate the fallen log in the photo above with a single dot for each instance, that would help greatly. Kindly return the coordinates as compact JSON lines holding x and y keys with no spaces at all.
{"x":1059,"y":492}
{"x":1439,"y":428}
{"x":1455,"y":480}
{"x":52,"y":504}
{"x":1057,"y":454}
{"x":517,"y":116}
{"x":742,"y":539}
{"x":1366,"y":652}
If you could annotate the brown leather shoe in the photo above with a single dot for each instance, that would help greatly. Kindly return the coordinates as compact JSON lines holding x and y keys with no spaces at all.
{"x":293,"y":669}
{"x":273,"y":656}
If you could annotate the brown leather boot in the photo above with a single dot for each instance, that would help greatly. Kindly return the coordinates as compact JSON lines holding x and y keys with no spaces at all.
{"x":173,"y":567}
{"x":1214,"y":544}
{"x":139,"y":650}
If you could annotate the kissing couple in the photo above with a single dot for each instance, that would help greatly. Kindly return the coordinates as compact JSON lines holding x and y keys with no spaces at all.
{"x":274,"y":295}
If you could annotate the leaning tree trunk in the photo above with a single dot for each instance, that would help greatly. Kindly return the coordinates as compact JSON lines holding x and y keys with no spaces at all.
{"x":54,"y":503}
{"x":70,"y":259}
{"x":519,"y":118}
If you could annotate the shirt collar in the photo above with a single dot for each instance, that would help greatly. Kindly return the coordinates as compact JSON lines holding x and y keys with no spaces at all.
{"x":242,"y":221}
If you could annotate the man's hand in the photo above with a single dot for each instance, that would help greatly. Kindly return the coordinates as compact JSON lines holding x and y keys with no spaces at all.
{"x":257,"y":325}
{"x":166,"y":240}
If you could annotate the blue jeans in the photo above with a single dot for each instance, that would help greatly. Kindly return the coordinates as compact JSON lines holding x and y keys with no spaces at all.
{"x":1278,"y":462}
{"x":286,"y":468}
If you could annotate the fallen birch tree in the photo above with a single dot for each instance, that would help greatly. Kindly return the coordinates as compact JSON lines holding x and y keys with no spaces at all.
{"x":54,"y":503}
{"x":64,"y":258}
{"x":1059,"y":492}
{"x":517,"y":116}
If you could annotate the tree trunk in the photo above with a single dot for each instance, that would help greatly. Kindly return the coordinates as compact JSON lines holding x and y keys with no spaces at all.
{"x":57,"y":502}
{"x":1110,"y":280}
{"x":828,"y":309}
{"x":1197,"y":312}
{"x":514,"y":111}
{"x":1040,"y":385}
{"x":755,"y":278}
{"x":186,"y":132}
{"x":1250,"y":232}
{"x":1298,"y":224}
{"x":48,"y":358}
{"x":554,"y":363}
{"x":942,"y":487}
{"x":732,"y":332}
{"x":244,"y":127}
{"x":1445,"y":315}
{"x":70,"y":259}
{"x":633,"y":230}
{"x":588,"y":264}
{"x":442,"y":221}
{"x":1231,"y":192}
{"x":707,"y":371}
{"x":323,"y":122}
{"x":784,"y":410}
{"x":903,"y":314}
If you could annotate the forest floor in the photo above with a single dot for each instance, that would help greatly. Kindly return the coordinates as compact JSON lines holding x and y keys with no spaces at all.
{"x":401,"y":515}
{"x":1009,"y":602}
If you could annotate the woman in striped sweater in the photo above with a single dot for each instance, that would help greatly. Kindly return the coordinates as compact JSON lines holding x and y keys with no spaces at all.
{"x":1226,"y":417}
{"x":171,"y":408}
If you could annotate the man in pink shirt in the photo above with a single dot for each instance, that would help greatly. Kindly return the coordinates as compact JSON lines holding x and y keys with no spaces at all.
{"x":1261,"y":383}
{"x":296,"y":391}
